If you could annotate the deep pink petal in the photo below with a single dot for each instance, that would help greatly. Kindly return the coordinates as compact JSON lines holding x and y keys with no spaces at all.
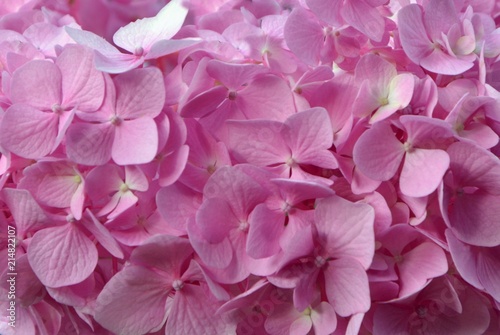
{"x":474,"y":218}
{"x":419,"y":265}
{"x":90,"y":144}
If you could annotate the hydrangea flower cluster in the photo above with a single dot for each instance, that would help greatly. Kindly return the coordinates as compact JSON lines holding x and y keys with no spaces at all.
{"x":250,"y":167}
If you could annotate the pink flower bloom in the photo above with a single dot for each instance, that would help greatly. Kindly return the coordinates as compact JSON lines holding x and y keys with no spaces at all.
{"x":123,"y":128}
{"x":145,"y":39}
{"x":378,"y":154}
{"x":286,"y":148}
{"x":435,"y":38}
{"x":170,"y":288}
{"x":343,"y":250}
{"x":446,"y":305}
{"x":471,"y":193}
{"x":45,"y":96}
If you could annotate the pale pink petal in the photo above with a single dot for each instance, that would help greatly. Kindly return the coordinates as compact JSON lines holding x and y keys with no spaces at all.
{"x":62,"y":255}
{"x":346,"y":284}
{"x":38,"y":84}
{"x":136,"y":141}
{"x":259,"y":99}
{"x":233,"y":76}
{"x":140,"y":93}
{"x":26,"y":212}
{"x":439,"y":16}
{"x":413,"y":34}
{"x":364,"y":18}
{"x":378,"y":153}
{"x":423,"y":170}
{"x":167,"y":47}
{"x":82,"y":84}
{"x":92,"y":41}
{"x":400,"y":94}
{"x":465,"y":259}
{"x":324,"y":319}
{"x":28,"y":132}
{"x":439,"y":62}
{"x":345,"y":229}
{"x":114,"y":308}
{"x":117,"y":63}
{"x":103,"y":236}
{"x":304,"y":36}
{"x":144,"y":32}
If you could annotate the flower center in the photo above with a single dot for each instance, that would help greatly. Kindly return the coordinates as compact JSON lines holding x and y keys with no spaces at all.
{"x":178,"y":284}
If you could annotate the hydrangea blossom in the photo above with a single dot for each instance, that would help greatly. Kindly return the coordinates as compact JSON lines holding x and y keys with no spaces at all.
{"x":250,"y":167}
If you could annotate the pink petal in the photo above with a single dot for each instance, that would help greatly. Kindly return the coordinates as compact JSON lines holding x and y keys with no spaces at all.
{"x":82,"y":84}
{"x":364,"y":18}
{"x":103,"y":236}
{"x":257,"y":142}
{"x":233,"y":76}
{"x":439,"y":16}
{"x":136,"y":142}
{"x":465,"y":259}
{"x":258,"y":100}
{"x":413,"y":34}
{"x":266,"y":227}
{"x":400,"y":94}
{"x":487,"y":271}
{"x":205,"y":103}
{"x":215,"y":219}
{"x":324,"y":319}
{"x":140,"y":285}
{"x":165,"y":253}
{"x":177,"y":203}
{"x":193,"y":309}
{"x":90,"y":144}
{"x":442,"y":63}
{"x":419,"y":265}
{"x":144,"y":32}
{"x":346,"y":286}
{"x":378,"y":153}
{"x":92,"y":41}
{"x":304,"y":36}
{"x":308,"y":134}
{"x":473,"y":218}
{"x":345,"y":229}
{"x":25,"y":210}
{"x":140,"y":93}
{"x":172,"y":167}
{"x":166,"y":47}
{"x":28,"y":132}
{"x":474,"y":166}
{"x":423,"y":170}
{"x":38,"y":84}
{"x":62,"y":255}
